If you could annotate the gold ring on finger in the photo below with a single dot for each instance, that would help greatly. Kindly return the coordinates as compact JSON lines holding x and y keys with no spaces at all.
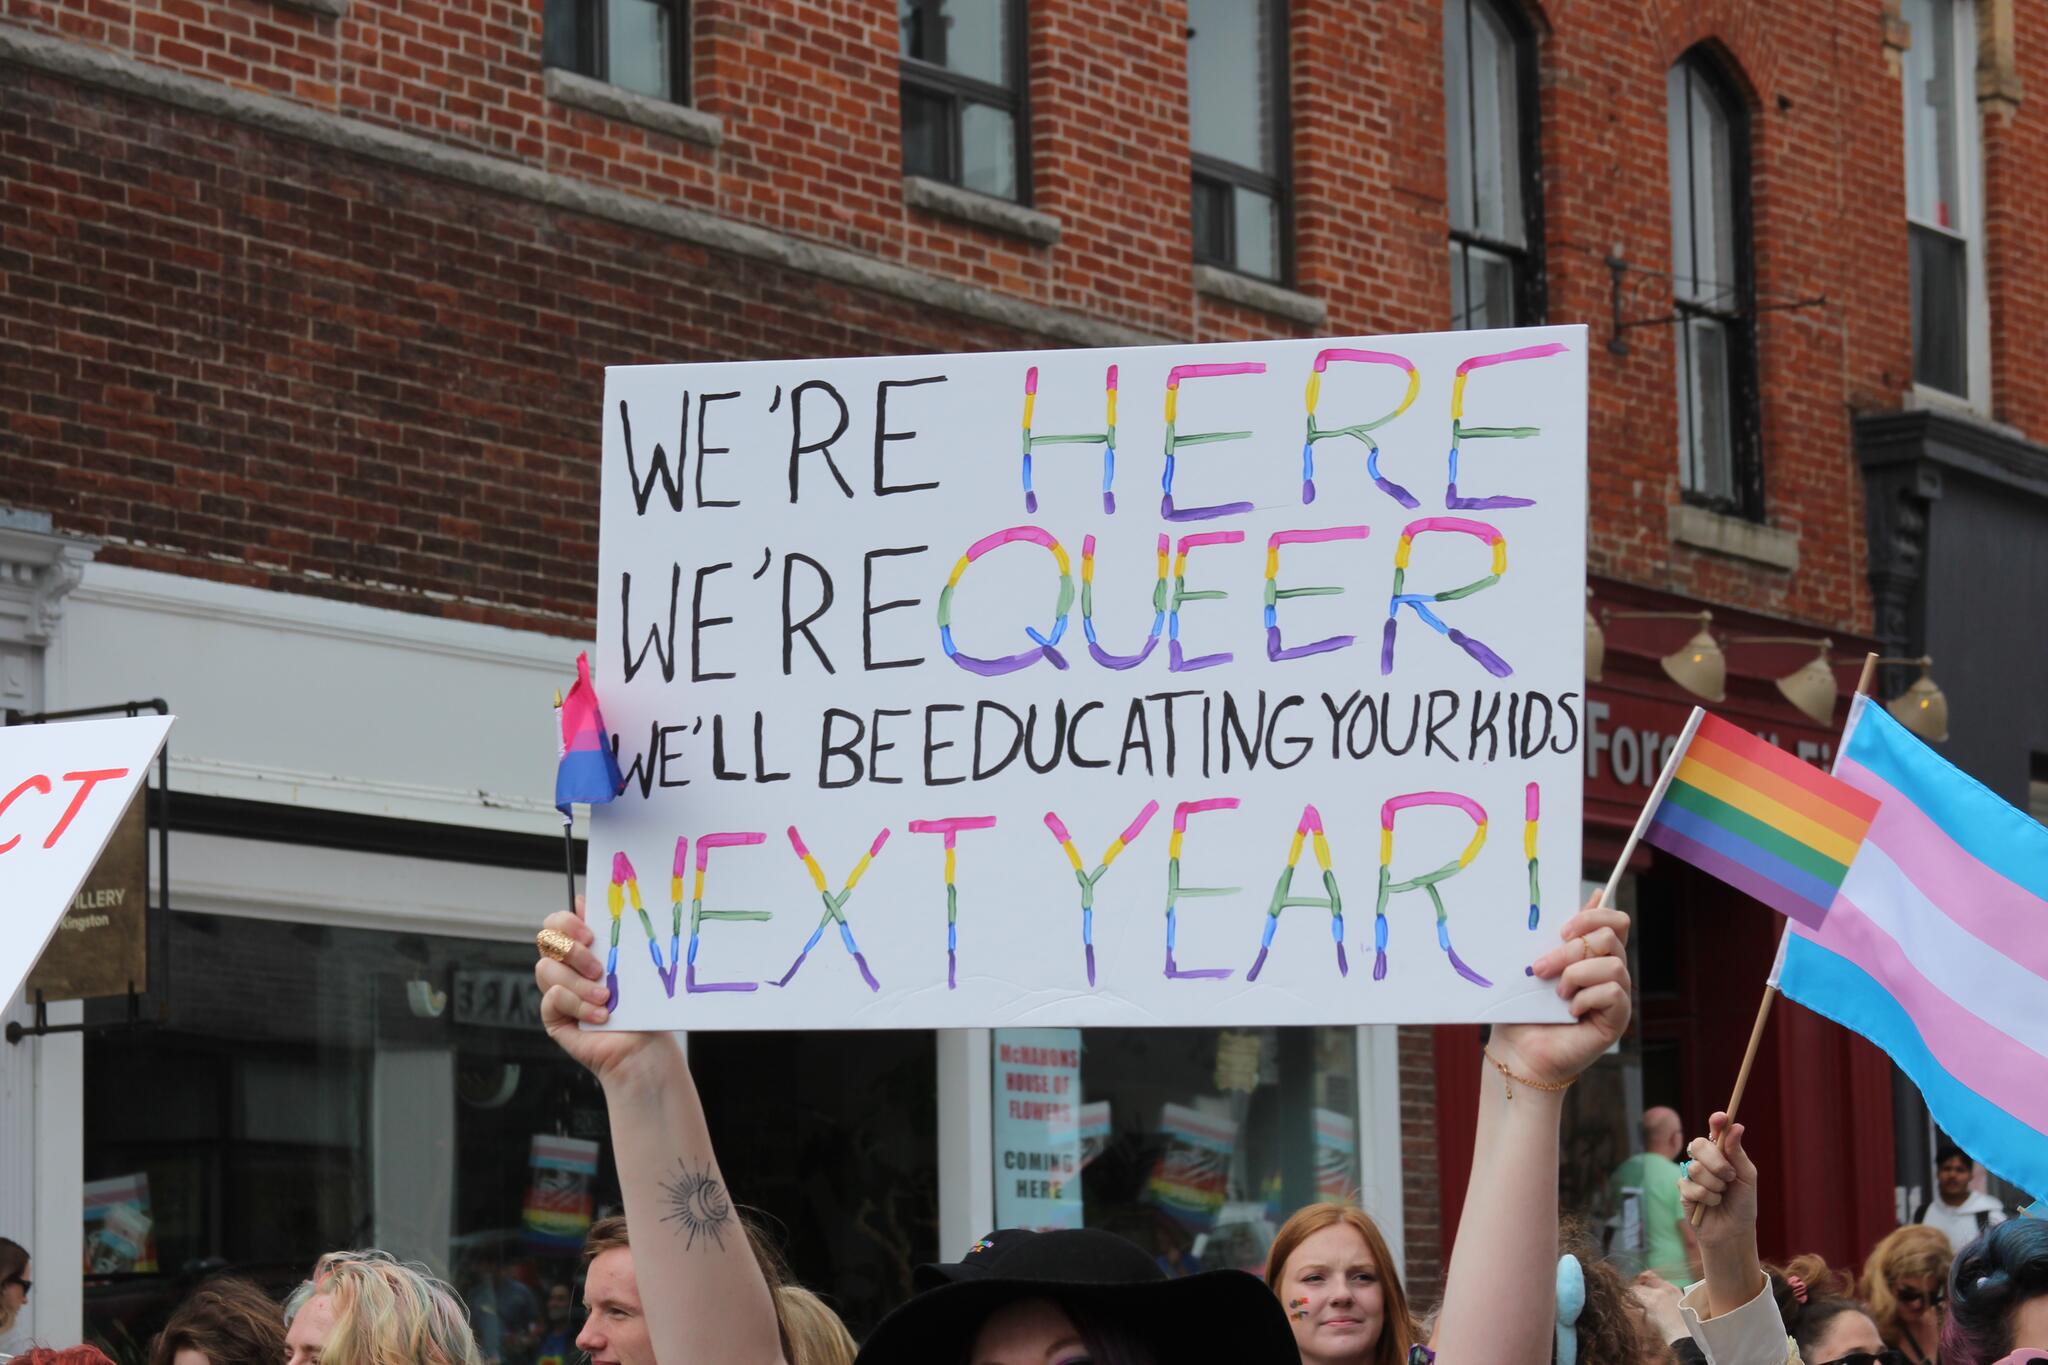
{"x":555,"y":944}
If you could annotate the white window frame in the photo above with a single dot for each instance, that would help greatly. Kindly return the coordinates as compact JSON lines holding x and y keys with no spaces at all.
{"x":1969,"y":152}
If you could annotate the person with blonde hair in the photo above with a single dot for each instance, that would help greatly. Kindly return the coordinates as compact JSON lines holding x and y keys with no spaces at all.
{"x":14,"y":1286}
{"x":370,"y":1308}
{"x":813,"y":1332}
{"x":1905,"y":1282}
{"x":1331,"y":1269}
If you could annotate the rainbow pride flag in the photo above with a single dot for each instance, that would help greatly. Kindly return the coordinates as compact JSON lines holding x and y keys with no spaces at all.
{"x":589,"y":769}
{"x":1935,"y":947}
{"x":1768,"y":824}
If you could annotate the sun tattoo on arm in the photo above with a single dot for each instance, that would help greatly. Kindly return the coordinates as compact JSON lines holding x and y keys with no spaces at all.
{"x":697,"y":1204}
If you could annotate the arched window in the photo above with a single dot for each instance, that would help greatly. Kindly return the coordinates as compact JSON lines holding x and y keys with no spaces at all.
{"x":1490,"y":160}
{"x":1712,"y":291}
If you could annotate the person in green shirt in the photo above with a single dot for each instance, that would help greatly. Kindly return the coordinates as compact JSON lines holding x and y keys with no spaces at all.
{"x":1656,"y":1237}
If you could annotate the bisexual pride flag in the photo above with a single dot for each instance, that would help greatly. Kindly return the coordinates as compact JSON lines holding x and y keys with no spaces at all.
{"x":589,"y":770}
{"x":1760,"y":819}
{"x":1936,"y":945}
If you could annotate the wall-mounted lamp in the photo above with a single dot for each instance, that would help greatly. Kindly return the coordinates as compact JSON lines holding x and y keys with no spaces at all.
{"x":1811,"y":688}
{"x":1922,"y":707}
{"x":1699,"y":667}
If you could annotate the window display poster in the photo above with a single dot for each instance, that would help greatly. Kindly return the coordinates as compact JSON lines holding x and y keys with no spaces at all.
{"x":1038,"y":1135}
{"x":119,"y":1232}
{"x":1232,"y":684}
{"x":559,"y":1199}
{"x":1192,"y":1175}
{"x":1336,"y":1157}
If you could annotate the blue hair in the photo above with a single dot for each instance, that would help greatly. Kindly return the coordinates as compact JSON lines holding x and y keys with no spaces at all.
{"x":1992,"y":1277}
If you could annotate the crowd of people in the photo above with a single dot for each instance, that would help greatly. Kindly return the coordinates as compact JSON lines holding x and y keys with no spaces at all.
{"x":1961,"y":1285}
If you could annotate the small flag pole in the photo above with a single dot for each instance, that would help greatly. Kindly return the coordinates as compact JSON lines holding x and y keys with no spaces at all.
{"x":1763,"y":1009}
{"x":568,"y":842}
{"x":1628,"y":850}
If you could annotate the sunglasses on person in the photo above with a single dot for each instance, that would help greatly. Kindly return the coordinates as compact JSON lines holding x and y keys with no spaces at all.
{"x":1886,"y":1357}
{"x":16,"y":1279}
{"x":1916,"y":1298}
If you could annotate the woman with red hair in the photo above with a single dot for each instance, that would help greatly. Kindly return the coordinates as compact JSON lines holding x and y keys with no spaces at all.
{"x":1332,"y":1270}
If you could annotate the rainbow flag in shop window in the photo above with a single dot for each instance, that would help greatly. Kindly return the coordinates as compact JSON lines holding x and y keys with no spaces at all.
{"x":589,"y":769}
{"x":1761,"y":820}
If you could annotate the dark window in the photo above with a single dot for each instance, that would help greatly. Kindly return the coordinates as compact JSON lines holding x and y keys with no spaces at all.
{"x":963,"y":103}
{"x":1939,"y":221}
{"x":1712,"y":292}
{"x":1490,"y":145}
{"x":637,"y":45}
{"x":1237,"y":128}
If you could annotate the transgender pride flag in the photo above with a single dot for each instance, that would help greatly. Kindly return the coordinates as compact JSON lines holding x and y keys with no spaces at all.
{"x":1936,"y":946}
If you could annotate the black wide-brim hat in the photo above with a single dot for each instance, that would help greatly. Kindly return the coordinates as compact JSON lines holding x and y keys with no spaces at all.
{"x":1224,"y":1316}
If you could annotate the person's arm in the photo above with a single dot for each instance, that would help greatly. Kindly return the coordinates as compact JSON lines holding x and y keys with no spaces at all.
{"x":1731,"y":1313}
{"x":1500,"y":1297}
{"x":700,"y":1286}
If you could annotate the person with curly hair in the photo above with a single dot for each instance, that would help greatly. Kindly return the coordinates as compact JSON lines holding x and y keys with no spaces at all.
{"x":1998,"y":1297}
{"x":1905,"y":1280}
{"x":227,"y":1321}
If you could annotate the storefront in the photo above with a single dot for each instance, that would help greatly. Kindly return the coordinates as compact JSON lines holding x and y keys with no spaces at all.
{"x":340,"y":1044}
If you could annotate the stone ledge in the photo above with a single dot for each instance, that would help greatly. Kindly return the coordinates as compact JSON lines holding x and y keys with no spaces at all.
{"x":326,"y":9}
{"x":410,"y":151}
{"x":629,"y":106}
{"x":1267,"y":298}
{"x":936,"y":196}
{"x":1734,"y":537}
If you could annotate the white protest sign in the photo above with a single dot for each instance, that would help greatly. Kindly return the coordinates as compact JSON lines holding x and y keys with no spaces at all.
{"x":63,"y":788}
{"x":1220,"y":684}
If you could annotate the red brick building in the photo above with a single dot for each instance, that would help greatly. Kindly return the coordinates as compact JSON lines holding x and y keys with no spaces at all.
{"x":311,"y":299}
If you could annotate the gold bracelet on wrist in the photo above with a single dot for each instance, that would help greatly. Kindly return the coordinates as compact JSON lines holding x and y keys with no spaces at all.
{"x":1508,"y":1078}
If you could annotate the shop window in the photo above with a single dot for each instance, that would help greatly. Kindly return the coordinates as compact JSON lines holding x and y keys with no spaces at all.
{"x":1712,"y":292}
{"x":1941,"y":214}
{"x":1237,"y":130}
{"x":638,"y":45}
{"x":1194,"y":1143}
{"x":1490,"y":160}
{"x":2037,"y":789}
{"x":963,"y":102}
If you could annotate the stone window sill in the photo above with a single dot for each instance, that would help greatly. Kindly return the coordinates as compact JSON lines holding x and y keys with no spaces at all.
{"x":582,"y":92}
{"x":1734,"y":537}
{"x":1267,"y":298}
{"x":326,"y":9}
{"x":936,"y":196}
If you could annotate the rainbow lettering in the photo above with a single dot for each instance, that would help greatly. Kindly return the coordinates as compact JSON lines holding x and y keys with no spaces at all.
{"x":698,"y":914}
{"x":1174,"y":890}
{"x":1532,"y":807}
{"x":1095,"y":649}
{"x":1088,"y":879}
{"x":1418,"y":602}
{"x":1427,"y":881}
{"x":1176,"y":662}
{"x":1275,"y":593}
{"x":835,"y":906}
{"x":615,"y":901}
{"x":1358,"y":431}
{"x":1174,"y":442}
{"x":1311,"y":826}
{"x":951,"y":827}
{"x":1046,"y":644}
{"x":1106,"y":437}
{"x":1460,"y":432}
